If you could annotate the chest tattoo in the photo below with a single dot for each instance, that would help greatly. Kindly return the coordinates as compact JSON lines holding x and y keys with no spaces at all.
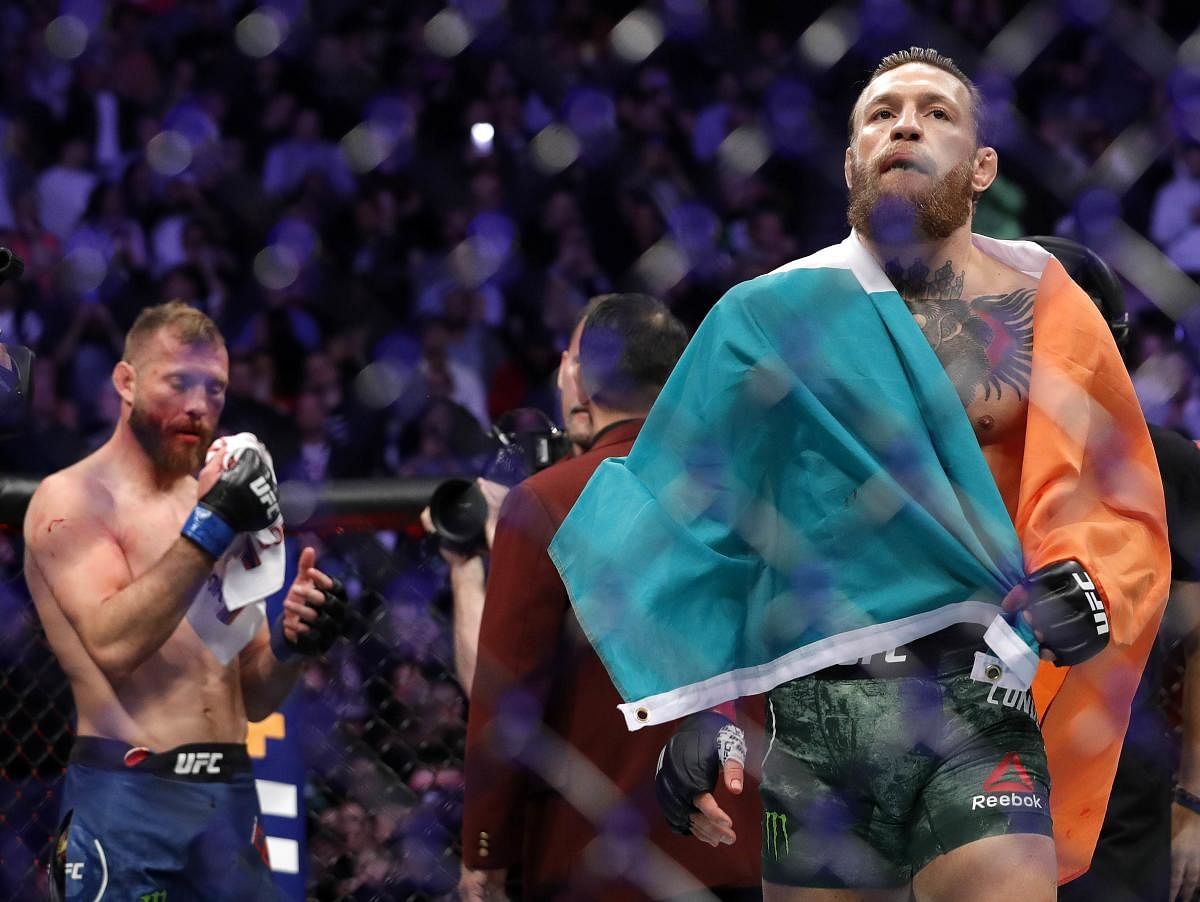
{"x":984,"y":343}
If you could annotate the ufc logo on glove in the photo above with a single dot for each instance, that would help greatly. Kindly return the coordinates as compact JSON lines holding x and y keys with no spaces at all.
{"x":265,"y":492}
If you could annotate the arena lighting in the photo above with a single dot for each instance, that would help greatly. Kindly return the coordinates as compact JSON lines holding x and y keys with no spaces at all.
{"x":554,"y":148}
{"x":169,"y":153}
{"x":379,"y":384}
{"x":661,"y":267}
{"x":448,"y":34}
{"x":260,"y":33}
{"x":276,"y":267}
{"x":482,"y":135}
{"x":67,"y":37}
{"x":1152,"y":273}
{"x":637,"y":35}
{"x":83,"y":269}
{"x":366,"y":146}
{"x":1018,"y":44}
{"x":1189,"y":51}
{"x":826,"y":41}
{"x":744,"y":150}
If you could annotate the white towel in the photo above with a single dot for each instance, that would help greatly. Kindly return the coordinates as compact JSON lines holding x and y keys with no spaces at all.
{"x":228,"y":610}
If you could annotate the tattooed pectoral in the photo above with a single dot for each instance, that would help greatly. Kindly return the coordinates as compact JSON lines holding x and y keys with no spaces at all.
{"x":985,"y":343}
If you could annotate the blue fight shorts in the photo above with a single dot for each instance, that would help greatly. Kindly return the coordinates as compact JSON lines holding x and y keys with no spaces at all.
{"x":141,"y":827}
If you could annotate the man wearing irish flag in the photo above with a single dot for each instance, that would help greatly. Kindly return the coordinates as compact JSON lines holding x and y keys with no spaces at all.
{"x":904,"y":487}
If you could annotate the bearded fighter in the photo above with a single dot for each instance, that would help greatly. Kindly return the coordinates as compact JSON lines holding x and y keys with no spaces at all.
{"x":888,"y":484}
{"x":158,"y":796}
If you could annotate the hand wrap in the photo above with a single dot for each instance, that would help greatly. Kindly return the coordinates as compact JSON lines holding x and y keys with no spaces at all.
{"x":690,"y":764}
{"x":322,"y":632}
{"x":1065,"y":607}
{"x":244,"y":498}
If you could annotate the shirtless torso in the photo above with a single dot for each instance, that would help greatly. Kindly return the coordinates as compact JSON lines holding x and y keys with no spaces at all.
{"x":114,"y":531}
{"x":113,"y":578}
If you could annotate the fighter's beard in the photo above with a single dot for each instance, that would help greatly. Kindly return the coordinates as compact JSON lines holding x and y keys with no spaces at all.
{"x":151,"y":435}
{"x":899,"y":219}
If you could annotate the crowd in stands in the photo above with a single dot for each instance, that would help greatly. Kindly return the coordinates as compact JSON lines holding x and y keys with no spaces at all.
{"x":395,"y":211}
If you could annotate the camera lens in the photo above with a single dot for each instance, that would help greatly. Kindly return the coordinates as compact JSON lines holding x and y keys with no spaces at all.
{"x":11,"y":266}
{"x":459,"y":513}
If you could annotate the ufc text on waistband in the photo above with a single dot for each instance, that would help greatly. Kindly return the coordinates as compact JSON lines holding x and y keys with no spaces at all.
{"x":197,"y":762}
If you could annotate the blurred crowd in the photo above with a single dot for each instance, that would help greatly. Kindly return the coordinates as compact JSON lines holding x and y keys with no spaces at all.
{"x":395,"y":212}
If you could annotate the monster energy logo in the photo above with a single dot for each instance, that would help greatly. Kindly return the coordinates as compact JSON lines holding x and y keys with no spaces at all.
{"x":775,"y":828}
{"x":158,"y":895}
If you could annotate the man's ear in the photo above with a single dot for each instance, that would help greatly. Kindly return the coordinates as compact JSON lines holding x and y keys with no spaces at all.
{"x":848,"y":166}
{"x":124,"y":378}
{"x":574,"y":372}
{"x":987,"y":165}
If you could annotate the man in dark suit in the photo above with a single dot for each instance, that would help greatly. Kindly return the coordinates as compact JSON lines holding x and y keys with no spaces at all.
{"x":555,"y":783}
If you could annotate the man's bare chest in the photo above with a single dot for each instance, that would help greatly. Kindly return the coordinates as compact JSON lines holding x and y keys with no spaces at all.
{"x":147,"y":531}
{"x":985,"y":345}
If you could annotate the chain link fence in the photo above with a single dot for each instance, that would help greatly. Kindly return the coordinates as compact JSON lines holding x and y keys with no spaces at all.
{"x":382,"y":727}
{"x":384,"y":730}
{"x":35,"y":734}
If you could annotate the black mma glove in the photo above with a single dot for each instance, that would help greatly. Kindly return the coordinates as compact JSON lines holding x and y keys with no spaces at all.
{"x":690,"y":764}
{"x":1065,"y":608}
{"x":244,"y":498}
{"x":322,"y":632}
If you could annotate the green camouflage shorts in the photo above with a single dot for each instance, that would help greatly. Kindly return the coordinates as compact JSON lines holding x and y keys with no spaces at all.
{"x":866,"y":781}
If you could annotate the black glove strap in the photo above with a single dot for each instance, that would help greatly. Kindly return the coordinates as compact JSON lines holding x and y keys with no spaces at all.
{"x":1065,"y":607}
{"x":322,"y":632}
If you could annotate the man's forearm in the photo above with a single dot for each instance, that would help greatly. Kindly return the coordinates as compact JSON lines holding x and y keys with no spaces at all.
{"x":266,"y":681}
{"x":468,"y":585}
{"x":132,"y":624}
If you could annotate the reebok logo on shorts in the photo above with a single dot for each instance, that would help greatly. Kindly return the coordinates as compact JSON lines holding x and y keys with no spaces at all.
{"x":1008,"y":786}
{"x":1009,"y":776}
